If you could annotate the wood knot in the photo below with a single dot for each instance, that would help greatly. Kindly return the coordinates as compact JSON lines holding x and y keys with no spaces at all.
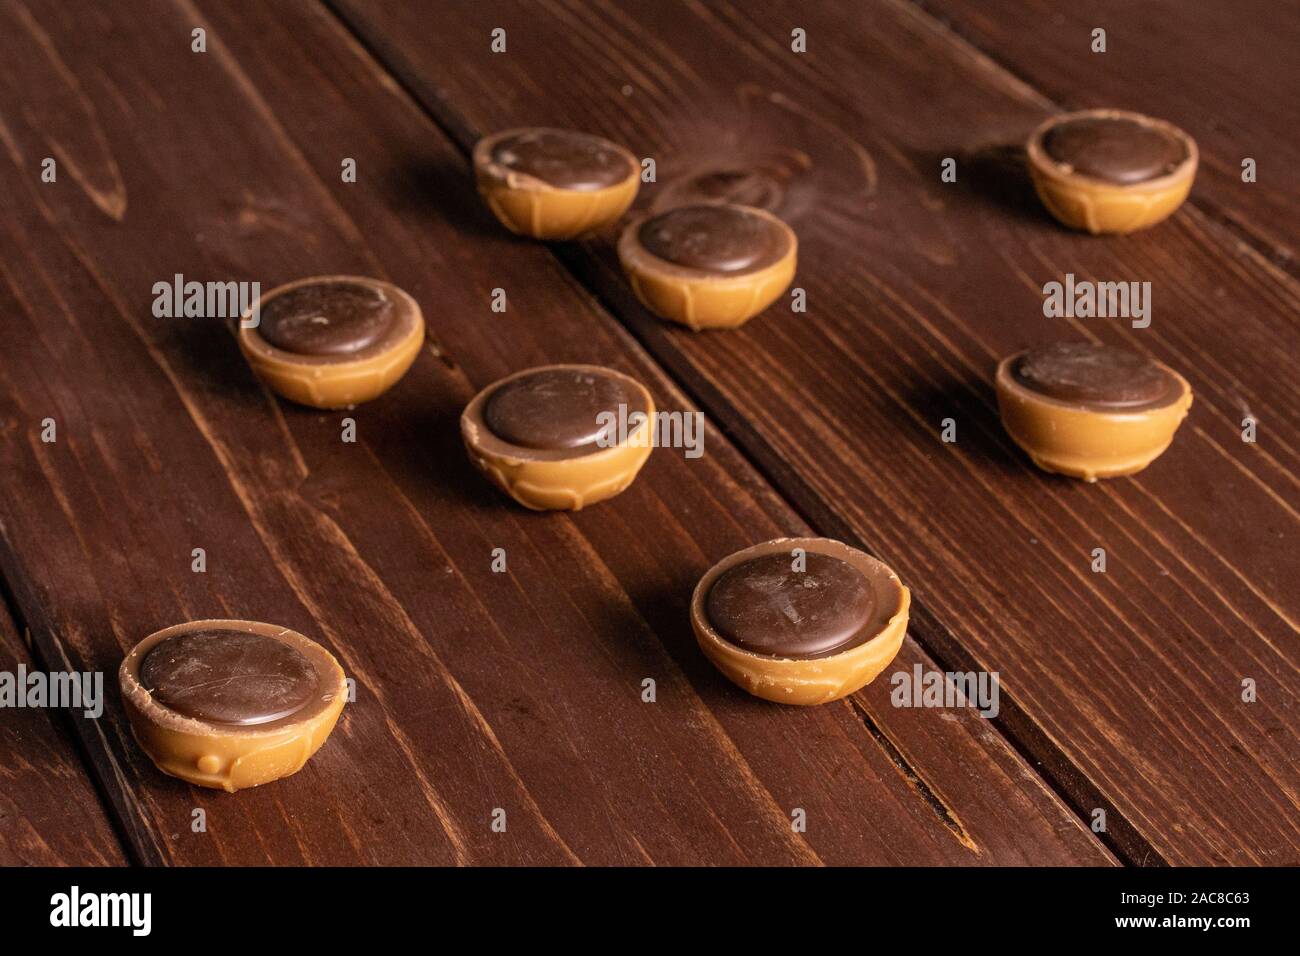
{"x":762,"y":182}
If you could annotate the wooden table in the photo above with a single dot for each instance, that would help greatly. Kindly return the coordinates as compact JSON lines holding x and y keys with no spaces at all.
{"x":479,"y":691}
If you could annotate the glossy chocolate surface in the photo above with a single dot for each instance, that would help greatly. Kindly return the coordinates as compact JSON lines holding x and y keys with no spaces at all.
{"x":563,"y":159}
{"x":557,"y":409}
{"x":765,"y":606}
{"x":1094,"y":375}
{"x":714,"y":238}
{"x":1114,"y":149}
{"x":327,"y":318}
{"x":228,"y":677}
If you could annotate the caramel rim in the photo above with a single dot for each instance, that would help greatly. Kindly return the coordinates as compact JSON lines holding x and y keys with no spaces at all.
{"x":860,"y":560}
{"x":1007,"y":380}
{"x":481,"y":438}
{"x":636,"y":256}
{"x":408,"y":323}
{"x":329,"y":681}
{"x":1040,"y":158}
{"x":514,"y":179}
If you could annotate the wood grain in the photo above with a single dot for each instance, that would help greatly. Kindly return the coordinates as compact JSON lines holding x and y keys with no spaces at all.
{"x":1127,"y":687}
{"x":476,"y":690}
{"x":1225,"y":72}
{"x":50,"y":814}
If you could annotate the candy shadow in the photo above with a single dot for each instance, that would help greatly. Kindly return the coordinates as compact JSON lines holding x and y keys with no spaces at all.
{"x":666,"y":610}
{"x":420,"y":448}
{"x":446,"y":188}
{"x":972,"y":404}
{"x":998,"y":174}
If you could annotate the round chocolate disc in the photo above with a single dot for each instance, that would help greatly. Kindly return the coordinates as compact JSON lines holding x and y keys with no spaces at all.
{"x":1115,"y":149}
{"x":1091,"y":374}
{"x":558,"y":408}
{"x":563,"y":159}
{"x":714,"y":238}
{"x":765,"y":606}
{"x":327,"y":318}
{"x":228,"y":677}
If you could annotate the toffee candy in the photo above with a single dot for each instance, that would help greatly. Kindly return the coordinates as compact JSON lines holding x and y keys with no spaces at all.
{"x":711,"y":265}
{"x":555,"y":183}
{"x":1109,"y":170}
{"x":230,"y":704}
{"x":1090,"y":411}
{"x":805,"y":633}
{"x":333,"y":341}
{"x":550,"y":437}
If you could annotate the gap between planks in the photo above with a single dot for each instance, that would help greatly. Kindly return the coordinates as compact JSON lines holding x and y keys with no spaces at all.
{"x":63,"y":720}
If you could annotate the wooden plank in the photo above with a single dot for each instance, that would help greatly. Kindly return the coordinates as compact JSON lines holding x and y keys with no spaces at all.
{"x":1225,"y":72}
{"x":50,"y":814}
{"x":476,"y":690}
{"x":1127,"y":686}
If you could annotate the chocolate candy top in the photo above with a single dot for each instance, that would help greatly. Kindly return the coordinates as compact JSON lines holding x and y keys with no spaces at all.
{"x":1097,"y":375}
{"x":555,"y":409}
{"x":715,"y":238}
{"x":228,"y":677}
{"x":1114,"y":149}
{"x":563,"y":159}
{"x":765,"y":606}
{"x":327,"y":318}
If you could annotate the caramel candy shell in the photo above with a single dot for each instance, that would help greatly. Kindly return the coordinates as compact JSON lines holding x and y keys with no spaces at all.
{"x":1086,"y":443}
{"x":236,"y":757}
{"x":337,"y":386}
{"x":1094,"y":206}
{"x":703,"y":300}
{"x":563,"y":484}
{"x":556,"y":213}
{"x":792,"y":680}
{"x":529,"y":207}
{"x":331,"y":382}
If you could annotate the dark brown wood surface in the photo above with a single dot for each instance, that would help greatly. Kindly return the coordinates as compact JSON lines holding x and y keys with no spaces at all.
{"x":476,"y":690}
{"x":1126,"y":687}
{"x":1228,"y":73}
{"x":50,"y":813}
